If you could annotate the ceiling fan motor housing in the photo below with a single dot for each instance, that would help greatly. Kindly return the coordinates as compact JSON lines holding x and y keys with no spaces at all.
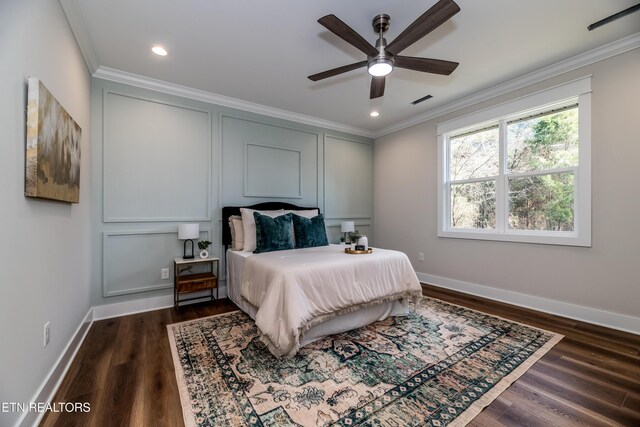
{"x":380,"y":25}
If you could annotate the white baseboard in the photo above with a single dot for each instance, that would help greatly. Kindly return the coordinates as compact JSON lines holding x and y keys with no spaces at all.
{"x":108,"y":311}
{"x":596,"y":316}
{"x":52,"y":381}
{"x":50,"y":385}
{"x":118,"y":309}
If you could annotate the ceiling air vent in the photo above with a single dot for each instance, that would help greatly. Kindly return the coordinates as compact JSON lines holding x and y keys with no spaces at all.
{"x":424,"y":98}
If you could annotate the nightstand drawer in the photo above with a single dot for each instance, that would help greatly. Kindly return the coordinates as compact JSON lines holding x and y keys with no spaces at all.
{"x":196,"y":282}
{"x":185,"y":283}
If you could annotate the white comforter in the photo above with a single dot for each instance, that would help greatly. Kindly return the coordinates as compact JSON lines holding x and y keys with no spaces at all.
{"x":296,"y":289}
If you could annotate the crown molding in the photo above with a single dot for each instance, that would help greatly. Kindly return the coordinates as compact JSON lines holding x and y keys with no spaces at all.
{"x":598,"y":54}
{"x":225,"y":101}
{"x":80,"y":33}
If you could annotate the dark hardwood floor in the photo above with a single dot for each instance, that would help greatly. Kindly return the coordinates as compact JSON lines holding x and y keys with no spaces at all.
{"x":592,"y":377}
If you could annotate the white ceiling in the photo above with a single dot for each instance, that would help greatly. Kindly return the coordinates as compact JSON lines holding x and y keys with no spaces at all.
{"x":262,"y":51}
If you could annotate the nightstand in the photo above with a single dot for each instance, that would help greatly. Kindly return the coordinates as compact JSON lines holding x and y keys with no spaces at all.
{"x":194,"y":282}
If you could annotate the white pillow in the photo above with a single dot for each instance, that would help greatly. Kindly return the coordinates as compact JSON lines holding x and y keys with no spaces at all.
{"x":237,"y":232}
{"x":249,"y":226}
{"x":305,"y":213}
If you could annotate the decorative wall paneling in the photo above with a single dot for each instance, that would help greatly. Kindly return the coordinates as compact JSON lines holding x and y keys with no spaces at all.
{"x":156,"y":161}
{"x":265,"y":161}
{"x":132,"y":260}
{"x":348,"y":184}
{"x":161,"y":160}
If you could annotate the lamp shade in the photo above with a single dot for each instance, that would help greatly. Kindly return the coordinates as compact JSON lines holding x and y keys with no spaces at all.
{"x":347,"y":226}
{"x":188,"y":231}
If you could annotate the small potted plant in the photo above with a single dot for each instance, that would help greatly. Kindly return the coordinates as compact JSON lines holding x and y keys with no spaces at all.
{"x":354,"y":236}
{"x":203,"y":245}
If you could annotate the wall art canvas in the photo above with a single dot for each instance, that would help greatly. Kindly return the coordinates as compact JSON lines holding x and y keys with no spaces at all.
{"x":52,"y":167}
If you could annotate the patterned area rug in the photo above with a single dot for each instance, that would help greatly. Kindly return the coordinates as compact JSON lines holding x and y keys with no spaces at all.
{"x":438,"y":366}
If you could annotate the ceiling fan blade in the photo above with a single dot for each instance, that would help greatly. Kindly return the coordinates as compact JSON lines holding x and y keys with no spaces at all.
{"x":348,"y":34}
{"x":429,"y":21}
{"x":336,"y":71}
{"x":427,"y":65}
{"x":377,"y":87}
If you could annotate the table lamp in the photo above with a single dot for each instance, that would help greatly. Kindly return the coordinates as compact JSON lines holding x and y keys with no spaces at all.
{"x":188,"y":232}
{"x":347,"y":227}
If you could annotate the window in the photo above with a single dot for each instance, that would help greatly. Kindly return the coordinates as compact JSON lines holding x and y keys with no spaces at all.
{"x":519,"y":171}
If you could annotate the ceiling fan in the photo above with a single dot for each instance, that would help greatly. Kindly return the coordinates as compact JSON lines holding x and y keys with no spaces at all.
{"x":384,"y":57}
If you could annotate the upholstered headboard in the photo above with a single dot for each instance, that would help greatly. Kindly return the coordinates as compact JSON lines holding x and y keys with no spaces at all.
{"x":228,"y":211}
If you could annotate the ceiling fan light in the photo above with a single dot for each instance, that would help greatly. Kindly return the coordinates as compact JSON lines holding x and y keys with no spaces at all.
{"x":380,"y":67}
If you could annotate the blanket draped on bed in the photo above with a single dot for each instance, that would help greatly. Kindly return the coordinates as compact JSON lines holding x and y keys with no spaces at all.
{"x":297,"y":289}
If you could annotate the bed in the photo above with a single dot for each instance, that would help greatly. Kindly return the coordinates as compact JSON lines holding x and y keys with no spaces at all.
{"x":301,"y":295}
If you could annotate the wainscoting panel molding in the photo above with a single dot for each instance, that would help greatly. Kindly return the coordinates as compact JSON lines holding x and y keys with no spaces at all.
{"x":272,"y":172}
{"x":348,"y":184}
{"x":267,"y":161}
{"x":157,"y":160}
{"x":161,"y":159}
{"x":132,"y":260}
{"x":348,"y":178}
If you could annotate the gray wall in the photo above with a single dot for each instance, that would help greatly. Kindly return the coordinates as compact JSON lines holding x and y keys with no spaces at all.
{"x":605,"y":276}
{"x":45,"y":247}
{"x":160,"y":160}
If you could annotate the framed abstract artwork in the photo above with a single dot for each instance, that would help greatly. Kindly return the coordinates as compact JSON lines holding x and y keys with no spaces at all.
{"x":52,"y":166}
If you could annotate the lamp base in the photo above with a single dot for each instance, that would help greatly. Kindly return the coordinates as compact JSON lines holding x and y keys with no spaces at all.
{"x":184,"y":252}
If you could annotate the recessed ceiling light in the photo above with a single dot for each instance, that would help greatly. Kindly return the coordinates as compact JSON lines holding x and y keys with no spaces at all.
{"x":374,"y":114}
{"x":159,"y":50}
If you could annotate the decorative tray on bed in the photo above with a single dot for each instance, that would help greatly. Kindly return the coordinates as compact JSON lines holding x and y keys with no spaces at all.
{"x":355,"y":252}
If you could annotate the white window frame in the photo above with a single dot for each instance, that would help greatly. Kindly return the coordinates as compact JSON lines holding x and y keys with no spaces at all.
{"x":577,"y":91}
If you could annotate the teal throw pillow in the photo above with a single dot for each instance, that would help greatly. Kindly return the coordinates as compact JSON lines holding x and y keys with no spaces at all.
{"x":310,"y":232}
{"x":273,"y":234}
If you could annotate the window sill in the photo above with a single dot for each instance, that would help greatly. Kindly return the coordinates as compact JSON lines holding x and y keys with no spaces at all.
{"x":536,"y":237}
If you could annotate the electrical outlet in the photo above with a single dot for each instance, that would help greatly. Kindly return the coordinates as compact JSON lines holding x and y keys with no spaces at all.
{"x":420,"y":256}
{"x":164,"y":273}
{"x":47,"y":333}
